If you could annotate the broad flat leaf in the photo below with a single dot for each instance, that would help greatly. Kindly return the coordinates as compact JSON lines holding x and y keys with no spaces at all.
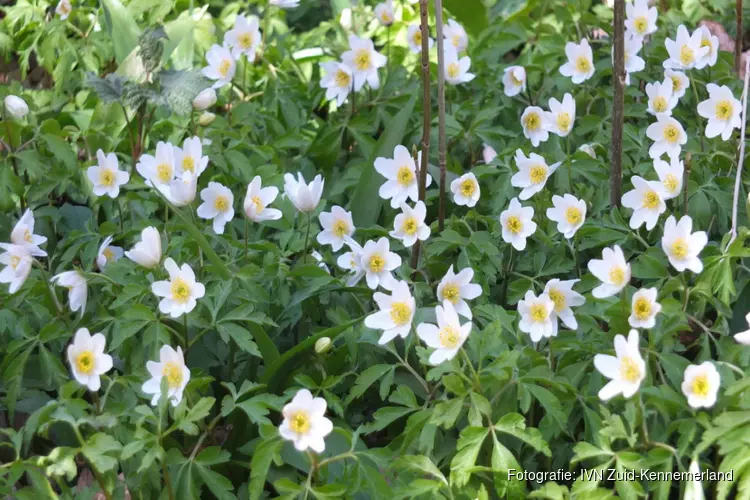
{"x":121,"y":27}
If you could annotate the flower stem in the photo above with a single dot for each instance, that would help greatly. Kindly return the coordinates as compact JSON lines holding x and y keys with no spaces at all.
{"x":187,"y":333}
{"x":307,"y":237}
{"x":642,"y":418}
{"x":477,"y":383}
{"x":695,"y":95}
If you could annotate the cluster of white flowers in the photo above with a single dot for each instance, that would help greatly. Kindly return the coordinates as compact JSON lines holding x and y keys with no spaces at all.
{"x":538,"y":123}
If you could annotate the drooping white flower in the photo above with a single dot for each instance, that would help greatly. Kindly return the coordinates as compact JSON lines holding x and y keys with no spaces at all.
{"x":205,"y":99}
{"x":535,"y":126}
{"x":626,"y":370}
{"x":108,"y":253}
{"x":457,"y":70}
{"x":646,"y":201}
{"x":514,"y":80}
{"x":569,"y":212}
{"x":668,"y":136}
{"x":612,"y":270}
{"x":532,"y":174}
{"x":384,"y":12}
{"x":244,"y":37}
{"x":488,"y":153}
{"x":401,"y":175}
{"x":561,"y":116}
{"x":181,"y":190}
{"x":180,"y":292}
{"x":712,"y":42}
{"x":305,"y":423}
{"x":395,"y":315}
{"x":379,"y":262}
{"x":456,"y":36}
{"x":680,"y":82}
{"x":218,"y":204}
{"x":17,"y":261}
{"x":744,"y":337}
{"x":364,"y":62}
{"x":337,"y":81}
{"x":465,"y":190}
{"x":63,"y":9}
{"x":682,"y":246}
{"x":16,"y":107}
{"x":537,"y":316}
{"x":305,"y":197}
{"x":321,"y":262}
{"x":661,"y":101}
{"x":285,"y":4}
{"x":158,"y":170}
{"x":457,"y":289}
{"x":257,"y":200}
{"x":701,"y":385}
{"x":23,"y":235}
{"x":221,"y":66}
{"x":171,"y":366}
{"x":107,"y":176}
{"x":670,"y":174}
{"x":588,"y":149}
{"x":640,"y":20}
{"x":189,"y":158}
{"x":633,"y":62}
{"x":517,"y":224}
{"x":337,"y":226}
{"x":447,"y":336}
{"x":563,"y":296}
{"x":78,"y":290}
{"x":722,"y":111}
{"x":414,"y":38}
{"x":644,"y":308}
{"x":87,"y":359}
{"x":409,"y":225}
{"x":694,"y":488}
{"x":147,"y":252}
{"x":580,"y":65}
{"x":352,"y":261}
{"x":685,"y":50}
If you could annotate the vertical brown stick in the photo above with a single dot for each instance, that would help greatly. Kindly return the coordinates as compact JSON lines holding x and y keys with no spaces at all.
{"x":738,"y":39}
{"x":618,"y":80}
{"x":441,"y":108}
{"x":424,"y":27}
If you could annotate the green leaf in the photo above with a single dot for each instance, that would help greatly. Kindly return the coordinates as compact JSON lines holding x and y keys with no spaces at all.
{"x":219,"y":485}
{"x":366,"y":379}
{"x":241,"y":337}
{"x":471,"y":14}
{"x":514,"y":425}
{"x":180,"y":88}
{"x":419,"y":464}
{"x":467,"y":449}
{"x":198,"y":412}
{"x":98,"y":449}
{"x":122,"y":28}
{"x":263,"y":456}
{"x":109,"y":88}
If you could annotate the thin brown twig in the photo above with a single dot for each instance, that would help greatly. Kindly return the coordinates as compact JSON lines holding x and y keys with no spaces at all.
{"x":441,"y":109}
{"x":618,"y":80}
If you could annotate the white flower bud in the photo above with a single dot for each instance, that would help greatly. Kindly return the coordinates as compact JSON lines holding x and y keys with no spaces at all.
{"x":323,"y":345}
{"x":16,"y":107}
{"x":206,"y":119}
{"x":205,"y":99}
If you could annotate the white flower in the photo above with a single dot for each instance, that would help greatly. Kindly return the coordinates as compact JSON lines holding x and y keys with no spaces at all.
{"x":685,"y":50}
{"x":171,"y":366}
{"x":352,"y":261}
{"x":633,"y":62}
{"x":401,"y":175}
{"x":561,"y":116}
{"x":580,"y":65}
{"x":710,"y":41}
{"x":465,"y":190}
{"x":257,"y":200}
{"x":384,"y":12}
{"x":17,"y":261}
{"x":147,"y":252}
{"x":694,"y":488}
{"x":457,"y":289}
{"x":532,"y":174}
{"x":378,"y":262}
{"x":414,"y":38}
{"x":107,"y":253}
{"x":670,"y":174}
{"x":337,"y":81}
{"x":87,"y":358}
{"x":78,"y":289}
{"x":205,"y":99}
{"x":514,"y":80}
{"x":456,"y":36}
{"x":305,"y":423}
{"x":457,"y":70}
{"x":218,"y":204}
{"x":447,"y":336}
{"x":680,"y":82}
{"x":337,"y":226}
{"x":644,"y":308}
{"x":285,"y":4}
{"x":612,"y":270}
{"x":535,"y":127}
{"x":563,"y":296}
{"x":488,"y":153}
{"x":364,"y":62}
{"x":23,"y":235}
{"x":569,"y":212}
{"x":640,"y":20}
{"x":305,"y":197}
{"x":319,"y":259}
{"x":661,"y":101}
{"x":722,"y":111}
{"x":181,"y":191}
{"x":180,"y":292}
{"x":16,"y":107}
{"x":646,"y":201}
{"x":107,"y":176}
{"x":221,"y":66}
{"x":668,"y":136}
{"x":701,"y":384}
{"x":396,"y":313}
{"x":744,"y":337}
{"x":190,"y":157}
{"x":681,"y":245}
{"x":409,"y":225}
{"x":626,"y":371}
{"x":244,"y":37}
{"x":158,"y":170}
{"x":588,"y":149}
{"x":537,"y":316}
{"x":63,"y":9}
{"x":517,"y":224}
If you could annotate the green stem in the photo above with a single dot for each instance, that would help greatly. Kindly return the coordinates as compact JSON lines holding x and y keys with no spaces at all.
{"x":167,"y":480}
{"x":187,"y":333}
{"x":642,"y":418}
{"x":477,"y":383}
{"x":570,"y":165}
{"x":307,"y":237}
{"x":695,"y":95}
{"x":94,"y":470}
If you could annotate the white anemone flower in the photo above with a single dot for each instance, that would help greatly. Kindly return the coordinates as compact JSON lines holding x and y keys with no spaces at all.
{"x":171,"y":366}
{"x":514,"y":80}
{"x":457,"y":69}
{"x":305,"y":197}
{"x":181,"y":191}
{"x":17,"y":261}
{"x":63,"y":9}
{"x":668,"y":136}
{"x":682,"y":245}
{"x":23,"y":235}
{"x":532,"y":174}
{"x":744,"y":337}
{"x":352,"y":261}
{"x":456,"y":36}
{"x":414,"y":38}
{"x":535,"y":126}
{"x":108,"y":253}
{"x":564,"y":297}
{"x":488,"y":153}
{"x":693,"y":486}
{"x":221,"y":66}
{"x":158,"y":170}
{"x":384,"y":12}
{"x":670,"y":174}
{"x":395,"y":315}
{"x":457,"y":289}
{"x":15,"y":107}
{"x":305,"y":423}
{"x":189,"y":158}
{"x":87,"y":359}
{"x":644,"y":308}
{"x":78,"y":290}
{"x":321,"y":262}
{"x":244,"y":37}
{"x":517,"y":224}
{"x":700,"y":385}
{"x":180,"y":292}
{"x":364,"y":62}
{"x":337,"y":81}
{"x":285,"y":4}
{"x":647,"y":202}
{"x":257,"y":200}
{"x":107,"y":177}
{"x":580,"y":65}
{"x":465,"y":190}
{"x":612,"y":270}
{"x":447,"y":336}
{"x":401,"y":177}
{"x":569,"y":212}
{"x":661,"y":100}
{"x":218,"y":204}
{"x":680,"y":82}
{"x":409,"y":226}
{"x":205,"y":99}
{"x":712,"y":42}
{"x":686,"y":50}
{"x":640,"y":20}
{"x":562,"y":115}
{"x":722,"y":111}
{"x":379,"y":262}
{"x":337,"y":226}
{"x":633,"y":62}
{"x":147,"y":252}
{"x":537,"y":316}
{"x":626,"y":370}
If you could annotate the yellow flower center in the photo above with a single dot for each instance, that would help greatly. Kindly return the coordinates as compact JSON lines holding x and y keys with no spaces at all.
{"x":660,"y":104}
{"x":362,"y":59}
{"x":85,"y":362}
{"x":400,"y":313}
{"x":532,"y":122}
{"x":376,"y":264}
{"x":106,"y":177}
{"x":640,"y":24}
{"x":642,"y":308}
{"x":453,"y":70}
{"x":14,"y":261}
{"x":538,"y":313}
{"x":680,"y":248}
{"x":27,"y":236}
{"x":300,"y":422}
{"x":224,"y":67}
{"x":340,"y":228}
{"x":617,"y":276}
{"x":573,"y":216}
{"x":671,"y":182}
{"x":449,"y":337}
{"x":538,"y":174}
{"x":583,"y":65}
{"x":65,"y":8}
{"x":687,"y":55}
{"x":676,"y":84}
{"x":563,"y":121}
{"x":164,"y":172}
{"x":671,"y":134}
{"x":468,"y":187}
{"x":173,"y":373}
{"x":558,"y":298}
{"x":188,"y":164}
{"x":651,"y":199}
{"x":386,"y":18}
{"x":108,"y":254}
{"x":513,"y":224}
{"x":700,"y":386}
{"x":180,"y":291}
{"x":405,"y":176}
{"x":258,"y":204}
{"x":456,"y":40}
{"x":451,"y":293}
{"x":724,"y":110}
{"x":410,"y":226}
{"x":629,"y":370}
{"x":245,"y":41}
{"x":705,"y":42}
{"x":515,"y":80}
{"x":221,"y":203}
{"x":417,"y":38}
{"x":343,"y":80}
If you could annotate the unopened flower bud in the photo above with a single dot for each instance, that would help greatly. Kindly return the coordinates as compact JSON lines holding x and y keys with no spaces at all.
{"x":16,"y":107}
{"x":205,"y":99}
{"x":323,"y":345}
{"x":206,"y":119}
